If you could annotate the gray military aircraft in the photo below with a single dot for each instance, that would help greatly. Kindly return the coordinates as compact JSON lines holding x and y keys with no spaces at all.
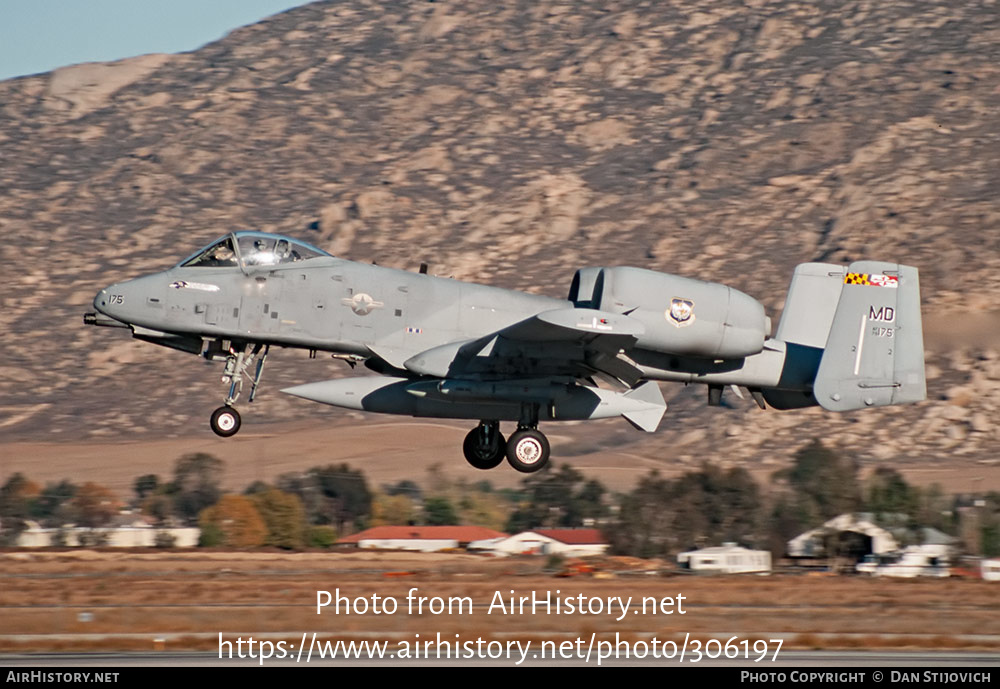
{"x":849,"y":338}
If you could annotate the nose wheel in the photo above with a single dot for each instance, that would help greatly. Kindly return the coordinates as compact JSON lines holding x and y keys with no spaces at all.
{"x":225,"y":421}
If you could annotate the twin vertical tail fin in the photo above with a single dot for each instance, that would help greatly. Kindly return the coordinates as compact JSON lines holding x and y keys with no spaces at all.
{"x":874,"y":352}
{"x":854,"y":334}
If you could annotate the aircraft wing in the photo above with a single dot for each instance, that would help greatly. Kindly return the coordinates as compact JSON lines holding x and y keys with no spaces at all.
{"x":572,"y":342}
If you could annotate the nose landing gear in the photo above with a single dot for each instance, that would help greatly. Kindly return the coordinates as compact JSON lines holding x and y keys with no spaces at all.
{"x":225,"y":421}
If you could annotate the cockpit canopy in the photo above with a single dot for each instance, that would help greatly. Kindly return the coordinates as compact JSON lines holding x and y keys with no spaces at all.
{"x":252,"y":249}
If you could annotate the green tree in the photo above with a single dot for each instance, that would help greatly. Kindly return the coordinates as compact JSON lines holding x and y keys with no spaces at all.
{"x":989,"y":520}
{"x":283,"y":516}
{"x":990,"y":540}
{"x":644,"y":525}
{"x":712,"y":506}
{"x":405,"y":487}
{"x":887,"y":492}
{"x":480,"y":507}
{"x":819,"y":485}
{"x":557,"y":497}
{"x":320,"y":536}
{"x":54,"y":505}
{"x":258,"y":487}
{"x":392,"y":510}
{"x":438,"y":511}
{"x":334,"y":494}
{"x":826,"y":479}
{"x":196,"y":485}
{"x":471,"y":503}
{"x":16,"y":496}
{"x":145,"y":485}
{"x":661,"y":517}
{"x":936,"y":509}
{"x":159,"y":507}
{"x":789,"y":517}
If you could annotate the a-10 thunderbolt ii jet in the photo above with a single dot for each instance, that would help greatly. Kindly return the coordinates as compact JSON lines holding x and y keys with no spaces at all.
{"x":849,"y":338}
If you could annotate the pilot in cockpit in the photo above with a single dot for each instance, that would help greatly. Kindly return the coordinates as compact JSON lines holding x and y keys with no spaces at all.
{"x":254,"y":251}
{"x":221,"y":255}
{"x":262,"y":255}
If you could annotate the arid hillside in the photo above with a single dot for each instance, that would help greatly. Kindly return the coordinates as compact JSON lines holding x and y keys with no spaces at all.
{"x":511,"y":143}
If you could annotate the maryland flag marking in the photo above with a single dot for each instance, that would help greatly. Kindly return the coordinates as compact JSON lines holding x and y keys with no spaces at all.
{"x":871,"y":280}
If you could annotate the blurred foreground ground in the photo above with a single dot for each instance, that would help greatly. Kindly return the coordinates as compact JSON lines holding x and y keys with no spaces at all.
{"x":89,"y":600}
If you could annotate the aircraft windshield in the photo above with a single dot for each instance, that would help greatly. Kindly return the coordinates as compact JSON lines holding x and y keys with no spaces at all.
{"x":219,"y":254}
{"x":255,"y":249}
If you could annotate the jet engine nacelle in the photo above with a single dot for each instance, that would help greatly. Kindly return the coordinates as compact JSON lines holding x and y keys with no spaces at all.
{"x":681,"y":316}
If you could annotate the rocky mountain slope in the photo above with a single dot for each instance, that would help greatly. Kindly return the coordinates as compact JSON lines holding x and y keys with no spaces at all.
{"x":511,"y":143}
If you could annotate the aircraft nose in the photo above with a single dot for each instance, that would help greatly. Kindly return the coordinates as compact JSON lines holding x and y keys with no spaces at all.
{"x":138,"y":301}
{"x":101,"y":301}
{"x":111,"y":301}
{"x":104,"y":302}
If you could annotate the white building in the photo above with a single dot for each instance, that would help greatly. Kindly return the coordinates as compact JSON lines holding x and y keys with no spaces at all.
{"x":138,"y":534}
{"x":728,"y":558}
{"x":565,"y":542}
{"x":990,"y":569}
{"x":912,"y":561}
{"x":812,"y":543}
{"x":425,"y":539}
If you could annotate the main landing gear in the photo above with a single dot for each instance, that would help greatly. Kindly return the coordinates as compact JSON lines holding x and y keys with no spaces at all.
{"x":225,"y":420}
{"x":527,"y":449}
{"x":484,"y":447}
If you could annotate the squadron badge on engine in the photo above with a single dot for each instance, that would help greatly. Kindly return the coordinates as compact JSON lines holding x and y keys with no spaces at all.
{"x":681,"y":312}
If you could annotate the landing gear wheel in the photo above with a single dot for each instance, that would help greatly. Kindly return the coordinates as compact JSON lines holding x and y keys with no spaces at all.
{"x":483,"y":456}
{"x":225,"y":421}
{"x":527,"y":450}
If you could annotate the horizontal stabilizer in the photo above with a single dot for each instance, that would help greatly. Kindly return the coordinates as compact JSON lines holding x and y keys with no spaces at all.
{"x":646,"y":417}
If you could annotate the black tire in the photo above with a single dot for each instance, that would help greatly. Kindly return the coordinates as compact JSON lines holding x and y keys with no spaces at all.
{"x":475,"y":455}
{"x":527,"y":450}
{"x":225,"y":421}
